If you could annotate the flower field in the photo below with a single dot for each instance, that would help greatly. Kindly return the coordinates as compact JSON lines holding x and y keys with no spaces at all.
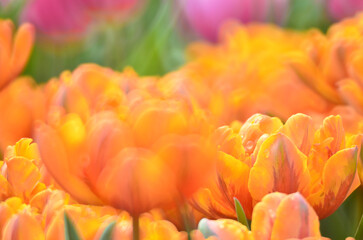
{"x":255,"y":133}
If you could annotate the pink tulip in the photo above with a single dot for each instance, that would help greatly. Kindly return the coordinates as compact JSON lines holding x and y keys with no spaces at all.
{"x":207,"y":16}
{"x":339,"y":9}
{"x":57,"y":18}
{"x":70,"y":18}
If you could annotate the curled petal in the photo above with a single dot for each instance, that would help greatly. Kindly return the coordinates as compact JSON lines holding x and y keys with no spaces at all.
{"x":338,"y":176}
{"x":299,"y":128}
{"x":228,"y":142}
{"x":333,"y":131}
{"x":255,"y":127}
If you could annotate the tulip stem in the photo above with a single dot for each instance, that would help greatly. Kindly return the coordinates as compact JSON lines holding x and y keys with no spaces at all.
{"x":187,"y":217}
{"x":135,"y":227}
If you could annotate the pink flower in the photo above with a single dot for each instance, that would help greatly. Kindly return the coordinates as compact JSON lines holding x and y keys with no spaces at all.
{"x":57,"y":18}
{"x":339,"y":9}
{"x":64,"y":19}
{"x":207,"y":16}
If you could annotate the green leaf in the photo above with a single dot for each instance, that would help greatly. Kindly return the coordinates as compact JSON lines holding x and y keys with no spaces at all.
{"x":70,"y":231}
{"x":359,"y":232}
{"x":241,"y":216}
{"x":107,"y":234}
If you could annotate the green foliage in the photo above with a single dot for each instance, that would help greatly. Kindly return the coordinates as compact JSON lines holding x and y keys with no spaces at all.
{"x":359,"y":232}
{"x":241,"y":216}
{"x":107,"y":234}
{"x":307,"y":14}
{"x":344,"y":221}
{"x":70,"y":231}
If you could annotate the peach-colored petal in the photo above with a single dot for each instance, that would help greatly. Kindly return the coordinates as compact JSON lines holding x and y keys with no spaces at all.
{"x":299,"y":128}
{"x":280,"y":166}
{"x":295,"y":219}
{"x":23,"y":226}
{"x":264,"y":215}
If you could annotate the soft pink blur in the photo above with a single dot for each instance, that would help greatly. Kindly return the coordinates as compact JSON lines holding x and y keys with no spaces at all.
{"x":339,"y":9}
{"x":64,"y":19}
{"x":109,"y":6}
{"x":57,"y":18}
{"x":207,"y":16}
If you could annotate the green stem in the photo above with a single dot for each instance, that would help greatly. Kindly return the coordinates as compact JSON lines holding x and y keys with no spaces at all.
{"x":135,"y":227}
{"x":187,"y":216}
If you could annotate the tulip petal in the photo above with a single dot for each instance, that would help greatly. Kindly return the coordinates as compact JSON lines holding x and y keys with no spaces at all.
{"x":23,"y":176}
{"x":338,"y":176}
{"x":280,"y":167}
{"x":55,"y":158}
{"x":295,"y":212}
{"x":352,"y":93}
{"x":225,"y":229}
{"x":299,"y":128}
{"x":308,"y":73}
{"x":264,"y":214}
{"x":23,"y":226}
{"x":23,"y":43}
{"x":332,"y":129}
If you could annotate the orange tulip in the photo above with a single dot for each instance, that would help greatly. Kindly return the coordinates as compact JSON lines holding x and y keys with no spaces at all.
{"x":90,"y":160}
{"x":86,"y":220}
{"x":19,"y":111}
{"x":285,"y":158}
{"x":281,"y":216}
{"x":23,"y":226}
{"x":331,"y":64}
{"x":21,"y":171}
{"x":14,"y":51}
{"x":222,"y":78}
{"x":277,"y":216}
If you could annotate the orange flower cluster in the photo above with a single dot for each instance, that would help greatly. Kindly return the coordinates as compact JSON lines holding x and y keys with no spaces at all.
{"x":270,"y":219}
{"x":267,"y":156}
{"x":149,"y":153}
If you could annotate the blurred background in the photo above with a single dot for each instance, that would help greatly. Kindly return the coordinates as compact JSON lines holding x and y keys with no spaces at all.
{"x":149,"y":35}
